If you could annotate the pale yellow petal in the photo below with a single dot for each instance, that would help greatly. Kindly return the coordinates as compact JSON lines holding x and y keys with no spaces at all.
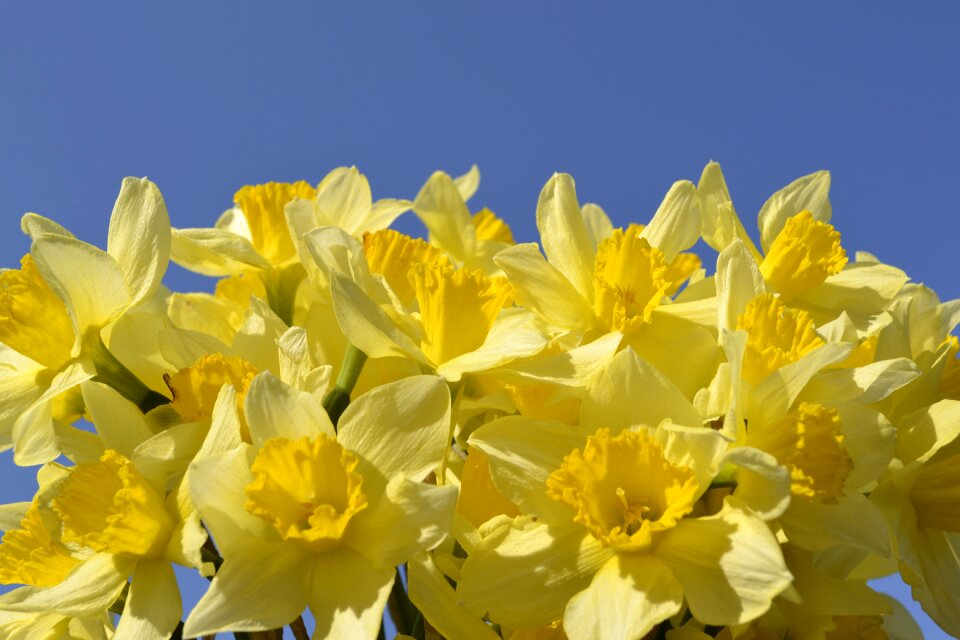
{"x":853,"y":521}
{"x":275,"y":410}
{"x":88,"y":590}
{"x":675,"y":226}
{"x":626,"y":599}
{"x":35,"y":225}
{"x":262,"y":587}
{"x":139,"y":237}
{"x":366,"y":326}
{"x":542,"y":288}
{"x":400,"y":427}
{"x":524,"y":573}
{"x":928,"y":431}
{"x":514,"y":335}
{"x":87,"y":279}
{"x":729,"y":564}
{"x":217,"y":485}
{"x":738,"y":282}
{"x":432,"y":594}
{"x":599,"y":227}
{"x":411,"y":517}
{"x":442,"y":209}
{"x":214,"y":252}
{"x":119,"y":422}
{"x":523,"y":453}
{"x":721,"y":225}
{"x":629,"y":391}
{"x":344,"y":198}
{"x":563,"y":233}
{"x":763,"y":484}
{"x":468,"y":183}
{"x":153,"y":607}
{"x":811,"y":193}
{"x":353,"y":613}
{"x":866,"y":385}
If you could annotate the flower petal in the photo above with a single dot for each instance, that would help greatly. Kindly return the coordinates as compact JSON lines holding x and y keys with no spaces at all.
{"x":139,"y":237}
{"x":214,"y":252}
{"x":811,"y":192}
{"x":153,"y":606}
{"x":729,"y":564}
{"x":343,"y":612}
{"x":523,"y":573}
{"x":258,"y":588}
{"x":563,"y":233}
{"x":411,"y":517}
{"x":626,"y":599}
{"x":675,"y":226}
{"x":400,"y":427}
{"x":275,"y":410}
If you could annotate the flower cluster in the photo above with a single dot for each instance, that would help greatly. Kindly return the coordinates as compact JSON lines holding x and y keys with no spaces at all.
{"x":593,"y":437}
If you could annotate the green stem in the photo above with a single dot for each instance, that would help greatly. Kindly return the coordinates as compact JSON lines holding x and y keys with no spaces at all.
{"x":113,"y":373}
{"x":336,"y":401}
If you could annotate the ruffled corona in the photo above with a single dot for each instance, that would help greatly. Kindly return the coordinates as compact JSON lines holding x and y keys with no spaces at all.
{"x":629,"y":280}
{"x":195,"y":388}
{"x":623,"y":489}
{"x":809,"y":443}
{"x":392,"y":254}
{"x":109,"y":506}
{"x":262,"y":206}
{"x":457,"y":308}
{"x":491,"y":227}
{"x":804,"y":253}
{"x":33,"y":320}
{"x":777,"y":336}
{"x":307,"y":489}
{"x":29,"y":555}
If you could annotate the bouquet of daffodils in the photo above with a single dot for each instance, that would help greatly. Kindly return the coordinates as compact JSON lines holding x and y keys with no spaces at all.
{"x":593,"y":437}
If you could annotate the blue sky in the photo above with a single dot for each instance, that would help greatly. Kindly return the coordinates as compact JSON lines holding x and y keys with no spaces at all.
{"x":205,"y":97}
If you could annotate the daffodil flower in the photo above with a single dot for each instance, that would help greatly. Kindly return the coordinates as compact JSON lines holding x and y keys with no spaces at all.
{"x":93,"y":527}
{"x":802,"y":257}
{"x":471,"y":241}
{"x":305,"y":516}
{"x":591,"y":283}
{"x":55,"y":308}
{"x":260,"y":237}
{"x":920,"y":500}
{"x":612,"y":540}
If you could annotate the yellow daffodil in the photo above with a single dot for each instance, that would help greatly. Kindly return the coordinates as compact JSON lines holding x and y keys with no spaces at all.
{"x":54,"y":309}
{"x":317,"y":518}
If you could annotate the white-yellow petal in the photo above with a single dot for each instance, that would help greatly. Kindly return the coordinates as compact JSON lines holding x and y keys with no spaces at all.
{"x":400,"y":428}
{"x":262,"y":587}
{"x":675,"y":226}
{"x":563,"y":233}
{"x":276,"y":410}
{"x":542,"y":288}
{"x":214,"y":252}
{"x":88,"y":280}
{"x":348,"y":613}
{"x":139,"y":236}
{"x":811,"y":193}
{"x":730,"y":565}
{"x":626,"y":599}
{"x":119,"y":422}
{"x":153,"y":607}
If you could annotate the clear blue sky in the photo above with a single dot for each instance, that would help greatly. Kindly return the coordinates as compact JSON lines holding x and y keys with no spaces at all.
{"x":204,"y":97}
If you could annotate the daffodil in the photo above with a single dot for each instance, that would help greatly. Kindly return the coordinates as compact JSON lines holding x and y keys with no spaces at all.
{"x":312,"y":517}
{"x":919,"y":498}
{"x":613,"y":539}
{"x":54,"y":310}
{"x":592,"y":284}
{"x":94,"y":526}
{"x":802,"y":258}
{"x":260,"y":237}
{"x":459,"y":324}
{"x":471,"y":241}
